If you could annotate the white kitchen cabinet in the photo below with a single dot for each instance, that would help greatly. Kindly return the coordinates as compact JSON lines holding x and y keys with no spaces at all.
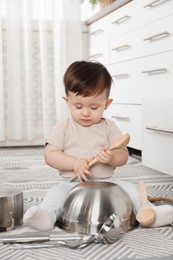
{"x":128,"y":120}
{"x":148,"y":77}
{"x":125,"y":84}
{"x":155,"y":9}
{"x":99,"y":41}
{"x":138,"y":13}
{"x":147,"y":40}
{"x":139,"y":36}
{"x":124,"y":19}
{"x":156,"y":76}
{"x":157,"y":134}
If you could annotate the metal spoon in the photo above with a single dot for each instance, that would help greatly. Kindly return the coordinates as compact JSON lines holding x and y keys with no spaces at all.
{"x":73,"y":244}
{"x":146,"y":215}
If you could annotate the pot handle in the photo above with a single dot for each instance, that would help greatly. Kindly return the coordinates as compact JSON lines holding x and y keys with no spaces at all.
{"x":12,"y":220}
{"x":153,"y":199}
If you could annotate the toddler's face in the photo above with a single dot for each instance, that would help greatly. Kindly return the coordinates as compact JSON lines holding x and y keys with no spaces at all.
{"x":87,"y":111}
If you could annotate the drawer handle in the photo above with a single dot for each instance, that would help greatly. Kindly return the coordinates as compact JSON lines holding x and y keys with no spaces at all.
{"x":121,"y":48}
{"x":96,"y":56}
{"x":97,"y":32}
{"x":156,"y":71}
{"x":121,"y":117}
{"x":159,"y":130}
{"x":157,"y":36}
{"x":121,"y":76}
{"x":154,"y":3}
{"x":122,"y":19}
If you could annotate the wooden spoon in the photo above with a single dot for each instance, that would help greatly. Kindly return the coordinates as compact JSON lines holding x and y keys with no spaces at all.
{"x":120,"y":143}
{"x":146,"y":215}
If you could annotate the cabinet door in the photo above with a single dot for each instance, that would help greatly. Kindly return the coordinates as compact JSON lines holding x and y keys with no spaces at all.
{"x":157,"y":134}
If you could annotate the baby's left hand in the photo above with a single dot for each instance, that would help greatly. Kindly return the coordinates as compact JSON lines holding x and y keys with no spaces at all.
{"x":105,"y":156}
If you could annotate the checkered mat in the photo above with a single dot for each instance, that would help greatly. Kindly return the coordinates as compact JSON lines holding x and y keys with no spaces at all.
{"x":26,"y":170}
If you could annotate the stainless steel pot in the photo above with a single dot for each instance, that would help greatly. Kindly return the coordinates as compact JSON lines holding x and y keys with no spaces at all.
{"x":11,"y":208}
{"x":88,"y":205}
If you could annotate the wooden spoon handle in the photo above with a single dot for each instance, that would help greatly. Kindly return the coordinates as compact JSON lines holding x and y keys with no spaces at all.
{"x":155,"y":199}
{"x":120,"y":143}
{"x":143,"y":194}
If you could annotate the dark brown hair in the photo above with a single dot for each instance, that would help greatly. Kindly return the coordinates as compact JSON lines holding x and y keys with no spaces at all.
{"x":87,"y":79}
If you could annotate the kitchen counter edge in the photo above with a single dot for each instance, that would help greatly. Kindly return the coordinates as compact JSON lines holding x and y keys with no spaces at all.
{"x":106,"y":10}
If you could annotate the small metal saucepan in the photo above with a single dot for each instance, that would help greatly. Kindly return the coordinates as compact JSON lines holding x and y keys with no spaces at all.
{"x":11,"y":208}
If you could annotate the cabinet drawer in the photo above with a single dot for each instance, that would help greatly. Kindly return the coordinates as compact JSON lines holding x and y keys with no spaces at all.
{"x":98,"y":41}
{"x":138,"y":13}
{"x":143,"y":78}
{"x":154,"y":38}
{"x":128,"y":119}
{"x":98,"y":32}
{"x":100,"y":54}
{"x":155,"y":9}
{"x":156,"y":76}
{"x":124,"y":19}
{"x":125,"y":88}
{"x":157,"y":134}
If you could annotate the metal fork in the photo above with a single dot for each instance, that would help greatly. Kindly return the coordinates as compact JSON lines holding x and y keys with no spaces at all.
{"x":73,"y":244}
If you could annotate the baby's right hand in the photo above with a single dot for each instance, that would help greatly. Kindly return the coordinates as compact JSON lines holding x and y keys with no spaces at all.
{"x":81,"y":169}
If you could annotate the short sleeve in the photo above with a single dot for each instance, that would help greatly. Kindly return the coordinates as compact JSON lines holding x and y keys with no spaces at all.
{"x":57,"y":135}
{"x":112,"y":131}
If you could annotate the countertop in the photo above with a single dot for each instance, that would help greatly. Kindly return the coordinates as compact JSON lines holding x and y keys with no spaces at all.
{"x":108,"y":9}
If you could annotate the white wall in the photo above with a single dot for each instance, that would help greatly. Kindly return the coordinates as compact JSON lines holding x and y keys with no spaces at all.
{"x":87,"y":10}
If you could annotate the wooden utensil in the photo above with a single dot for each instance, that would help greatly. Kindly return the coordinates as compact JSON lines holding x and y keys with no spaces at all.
{"x":156,"y":199}
{"x":120,"y":143}
{"x":146,"y":215}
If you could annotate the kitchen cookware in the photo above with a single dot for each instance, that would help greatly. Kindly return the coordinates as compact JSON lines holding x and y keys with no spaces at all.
{"x":33,"y":240}
{"x":146,"y":215}
{"x":88,"y":206}
{"x":120,"y":143}
{"x":161,"y":199}
{"x":11,"y":208}
{"x":73,"y":244}
{"x":109,"y":232}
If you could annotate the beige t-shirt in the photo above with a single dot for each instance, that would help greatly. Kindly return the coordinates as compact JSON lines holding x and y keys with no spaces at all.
{"x":85,"y":142}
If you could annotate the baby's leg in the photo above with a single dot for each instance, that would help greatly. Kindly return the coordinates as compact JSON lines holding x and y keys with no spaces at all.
{"x":164,"y":216}
{"x":38,"y":218}
{"x":133,"y":193}
{"x":43,"y":217}
{"x":164,"y":213}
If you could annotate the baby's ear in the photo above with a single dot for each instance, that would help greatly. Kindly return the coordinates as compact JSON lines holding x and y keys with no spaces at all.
{"x":65,"y":98}
{"x":108,"y":102}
